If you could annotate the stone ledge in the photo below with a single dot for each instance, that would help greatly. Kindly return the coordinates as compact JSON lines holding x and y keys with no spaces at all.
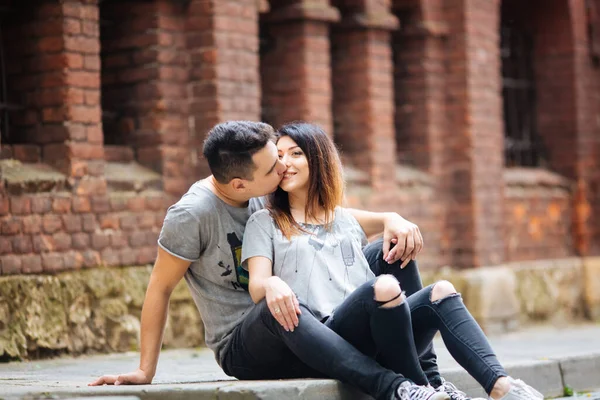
{"x":22,"y":178}
{"x":410,"y":176}
{"x":303,"y":11}
{"x":581,"y":372}
{"x":436,"y":29}
{"x":520,"y":182}
{"x":131,"y":176}
{"x":210,"y":383}
{"x":543,"y":375}
{"x":98,"y":310}
{"x":505,"y":296}
{"x":86,"y":311}
{"x":370,"y":20}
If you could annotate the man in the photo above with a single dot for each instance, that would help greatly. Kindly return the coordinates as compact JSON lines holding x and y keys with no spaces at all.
{"x":201,"y":242}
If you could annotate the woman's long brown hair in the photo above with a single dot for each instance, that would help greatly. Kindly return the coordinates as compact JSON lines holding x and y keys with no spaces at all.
{"x":325,"y":179}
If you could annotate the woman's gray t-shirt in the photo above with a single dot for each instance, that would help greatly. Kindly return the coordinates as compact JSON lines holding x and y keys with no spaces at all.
{"x":203,"y":229}
{"x":322,"y":268}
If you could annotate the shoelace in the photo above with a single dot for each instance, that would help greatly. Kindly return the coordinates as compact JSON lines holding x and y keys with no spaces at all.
{"x":453,"y":391}
{"x":522,"y":386}
{"x":414,"y":392}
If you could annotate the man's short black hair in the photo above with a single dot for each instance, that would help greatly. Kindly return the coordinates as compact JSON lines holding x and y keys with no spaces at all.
{"x":229,"y":148}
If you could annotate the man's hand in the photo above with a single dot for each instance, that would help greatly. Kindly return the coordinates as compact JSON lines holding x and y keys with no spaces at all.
{"x":282,"y":303}
{"x":138,"y":377}
{"x":407,"y":239}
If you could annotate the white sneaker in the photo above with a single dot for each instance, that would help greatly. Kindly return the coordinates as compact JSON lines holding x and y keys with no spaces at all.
{"x":453,"y":391}
{"x":519,"y":390}
{"x":409,"y":391}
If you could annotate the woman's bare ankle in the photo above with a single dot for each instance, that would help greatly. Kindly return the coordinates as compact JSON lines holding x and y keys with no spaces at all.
{"x":501,"y":387}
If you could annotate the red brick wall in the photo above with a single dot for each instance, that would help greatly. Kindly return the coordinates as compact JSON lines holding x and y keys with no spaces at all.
{"x":416,"y":110}
{"x":54,"y":71}
{"x":363,"y":98}
{"x":420,"y":76}
{"x":295,"y":65}
{"x":472,"y":154}
{"x":145,"y":72}
{"x":587,"y":164}
{"x":53,"y":232}
{"x":222,"y":41}
{"x":53,"y":74}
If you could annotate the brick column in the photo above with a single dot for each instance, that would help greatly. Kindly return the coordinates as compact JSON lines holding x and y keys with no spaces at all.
{"x":585,"y":164}
{"x":295,"y":63}
{"x":363,"y":97}
{"x":420,"y":98}
{"x":222,"y":41}
{"x":81,"y":35}
{"x":56,"y":79}
{"x":420,"y":81}
{"x":566,"y":106}
{"x":144,"y":82}
{"x":473,"y":158}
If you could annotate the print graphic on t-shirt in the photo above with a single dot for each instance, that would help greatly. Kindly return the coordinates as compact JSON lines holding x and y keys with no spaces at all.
{"x":236,"y":251}
{"x":347,"y":251}
{"x":227,"y":269}
{"x":318,"y":241}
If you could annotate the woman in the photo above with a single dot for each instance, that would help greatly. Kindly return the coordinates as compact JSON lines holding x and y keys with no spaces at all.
{"x":307,"y":243}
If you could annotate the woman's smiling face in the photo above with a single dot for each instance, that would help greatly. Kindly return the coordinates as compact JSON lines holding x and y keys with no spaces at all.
{"x":296,"y":176}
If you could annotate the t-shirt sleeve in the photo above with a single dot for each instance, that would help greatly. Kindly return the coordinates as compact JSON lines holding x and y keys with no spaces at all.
{"x":180,"y":234}
{"x":357,"y":230}
{"x":258,"y":237}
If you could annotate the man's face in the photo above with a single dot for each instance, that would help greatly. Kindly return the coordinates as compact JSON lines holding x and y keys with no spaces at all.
{"x":268,"y":173}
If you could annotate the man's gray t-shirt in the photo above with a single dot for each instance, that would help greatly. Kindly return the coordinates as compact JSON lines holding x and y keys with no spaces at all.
{"x":203,"y":229}
{"x":322,"y":268}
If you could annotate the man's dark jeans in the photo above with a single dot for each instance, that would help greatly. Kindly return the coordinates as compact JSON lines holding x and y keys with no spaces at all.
{"x":259,"y":348}
{"x":350,"y":345}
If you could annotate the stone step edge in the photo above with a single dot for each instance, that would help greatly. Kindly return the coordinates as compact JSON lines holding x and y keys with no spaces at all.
{"x":581,"y":373}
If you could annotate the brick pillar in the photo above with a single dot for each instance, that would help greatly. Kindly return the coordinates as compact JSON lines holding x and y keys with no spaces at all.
{"x":420,"y":97}
{"x":222,"y":41}
{"x":363,"y":97}
{"x":420,"y":79}
{"x":295,"y":63}
{"x":473,"y":157}
{"x":81,"y":35}
{"x":144,"y":82}
{"x":566,"y":107}
{"x":586,"y":166}
{"x":56,"y":80}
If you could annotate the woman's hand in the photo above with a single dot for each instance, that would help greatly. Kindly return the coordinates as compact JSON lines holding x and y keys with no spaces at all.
{"x":282,"y":303}
{"x":406,"y":237}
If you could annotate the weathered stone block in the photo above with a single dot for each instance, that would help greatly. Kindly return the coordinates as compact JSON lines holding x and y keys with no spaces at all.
{"x":550,"y":289}
{"x":591,"y":289}
{"x":490,"y":295}
{"x":86,"y":310}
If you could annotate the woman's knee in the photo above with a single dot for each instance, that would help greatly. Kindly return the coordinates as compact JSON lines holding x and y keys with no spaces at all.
{"x":387,"y":291}
{"x":442,"y":289}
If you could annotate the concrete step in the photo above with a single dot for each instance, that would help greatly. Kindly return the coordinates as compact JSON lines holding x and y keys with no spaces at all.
{"x":547,"y":358}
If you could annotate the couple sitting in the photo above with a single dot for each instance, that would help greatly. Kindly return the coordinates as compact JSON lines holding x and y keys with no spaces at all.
{"x":327,"y":303}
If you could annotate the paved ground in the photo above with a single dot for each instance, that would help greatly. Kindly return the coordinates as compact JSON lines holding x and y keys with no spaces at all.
{"x":546,"y":357}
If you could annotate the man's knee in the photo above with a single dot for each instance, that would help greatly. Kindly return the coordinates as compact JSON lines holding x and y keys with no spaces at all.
{"x":387,"y":291}
{"x":442,"y":289}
